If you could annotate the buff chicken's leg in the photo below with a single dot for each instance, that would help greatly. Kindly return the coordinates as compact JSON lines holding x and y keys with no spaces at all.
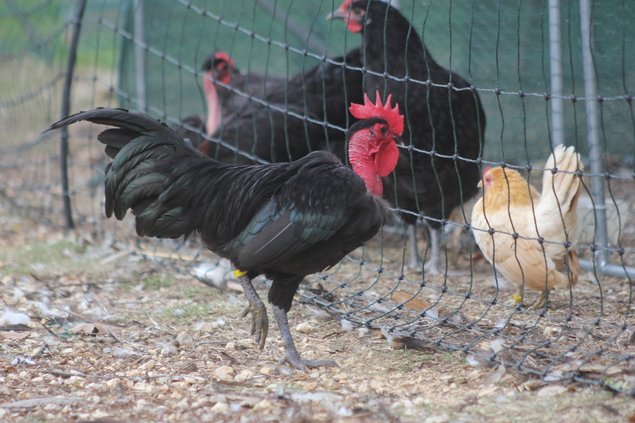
{"x":539,"y":303}
{"x":291,"y":354}
{"x":259,"y":319}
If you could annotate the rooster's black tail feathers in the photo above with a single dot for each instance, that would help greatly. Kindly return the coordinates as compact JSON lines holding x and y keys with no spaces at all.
{"x":143,"y":175}
{"x":129,"y":125}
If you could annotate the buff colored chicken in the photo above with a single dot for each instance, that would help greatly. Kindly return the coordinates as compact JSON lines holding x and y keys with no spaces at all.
{"x":527,"y":236}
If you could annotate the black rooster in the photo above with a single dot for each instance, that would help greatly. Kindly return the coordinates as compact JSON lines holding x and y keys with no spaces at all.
{"x":444,"y":117}
{"x":284,"y":220}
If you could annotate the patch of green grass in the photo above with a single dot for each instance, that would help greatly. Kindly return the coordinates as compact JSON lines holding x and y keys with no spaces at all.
{"x":406,"y":360}
{"x":200,"y":290}
{"x":46,"y":258}
{"x":188,"y":312}
{"x":157,"y":282}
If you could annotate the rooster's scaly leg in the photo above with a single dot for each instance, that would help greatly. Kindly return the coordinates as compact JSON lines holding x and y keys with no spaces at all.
{"x":432,"y":266}
{"x":291,"y":354}
{"x":414,"y":260}
{"x":259,"y":319}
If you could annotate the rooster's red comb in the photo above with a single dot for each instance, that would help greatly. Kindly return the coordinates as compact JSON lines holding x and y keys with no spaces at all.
{"x":221,"y":55}
{"x":379,"y":110}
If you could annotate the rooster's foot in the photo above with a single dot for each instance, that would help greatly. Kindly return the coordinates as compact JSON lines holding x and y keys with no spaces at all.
{"x":259,"y":322}
{"x":291,"y":354}
{"x":432,"y":267}
{"x":296,"y":361}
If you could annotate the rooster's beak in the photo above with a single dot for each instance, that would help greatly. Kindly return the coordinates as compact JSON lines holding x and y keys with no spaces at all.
{"x":337,"y":14}
{"x":480,"y":184}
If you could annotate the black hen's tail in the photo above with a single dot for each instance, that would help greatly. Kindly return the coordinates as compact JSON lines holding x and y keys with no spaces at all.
{"x":145,"y":155}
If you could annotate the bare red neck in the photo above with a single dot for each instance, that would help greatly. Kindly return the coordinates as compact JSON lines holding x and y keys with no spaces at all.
{"x":214,"y":115}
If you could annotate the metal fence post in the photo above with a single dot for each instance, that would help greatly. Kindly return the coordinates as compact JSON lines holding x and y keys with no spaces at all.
{"x":140,"y":55}
{"x":555,"y":71}
{"x":600,"y":256}
{"x":66,"y":106}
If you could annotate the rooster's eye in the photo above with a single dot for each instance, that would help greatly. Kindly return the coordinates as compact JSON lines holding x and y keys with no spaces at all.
{"x":384,"y":130}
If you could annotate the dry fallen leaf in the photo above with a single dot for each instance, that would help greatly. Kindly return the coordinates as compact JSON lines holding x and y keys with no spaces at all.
{"x":220,"y":407}
{"x":244,"y":375}
{"x":410,"y":301}
{"x":39,"y":402}
{"x":14,"y":335}
{"x":264,"y":406}
{"x":305,"y":327}
{"x":225,"y":373}
{"x":551,"y":390}
{"x":89,"y":329}
{"x":495,"y":376}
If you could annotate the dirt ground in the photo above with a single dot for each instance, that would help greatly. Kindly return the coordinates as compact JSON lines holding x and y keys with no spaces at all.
{"x":93,"y":330}
{"x":107,"y":335}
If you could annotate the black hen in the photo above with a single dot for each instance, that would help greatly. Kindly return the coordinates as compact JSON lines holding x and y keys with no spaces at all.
{"x":441,"y":120}
{"x":292,"y":118}
{"x":324,"y":92}
{"x":195,"y":127}
{"x":236,"y":86}
{"x":284,"y":220}
{"x":219,"y":71}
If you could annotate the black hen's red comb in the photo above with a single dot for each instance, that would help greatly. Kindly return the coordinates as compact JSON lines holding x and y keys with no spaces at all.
{"x":346,"y":4}
{"x":222,"y":56}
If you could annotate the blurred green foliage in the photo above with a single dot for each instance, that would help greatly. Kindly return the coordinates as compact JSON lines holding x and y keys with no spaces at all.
{"x":502,"y":45}
{"x":497,"y":45}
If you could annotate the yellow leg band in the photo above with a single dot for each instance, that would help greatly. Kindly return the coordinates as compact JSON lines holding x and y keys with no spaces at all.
{"x":239,"y":273}
{"x":517,"y":298}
